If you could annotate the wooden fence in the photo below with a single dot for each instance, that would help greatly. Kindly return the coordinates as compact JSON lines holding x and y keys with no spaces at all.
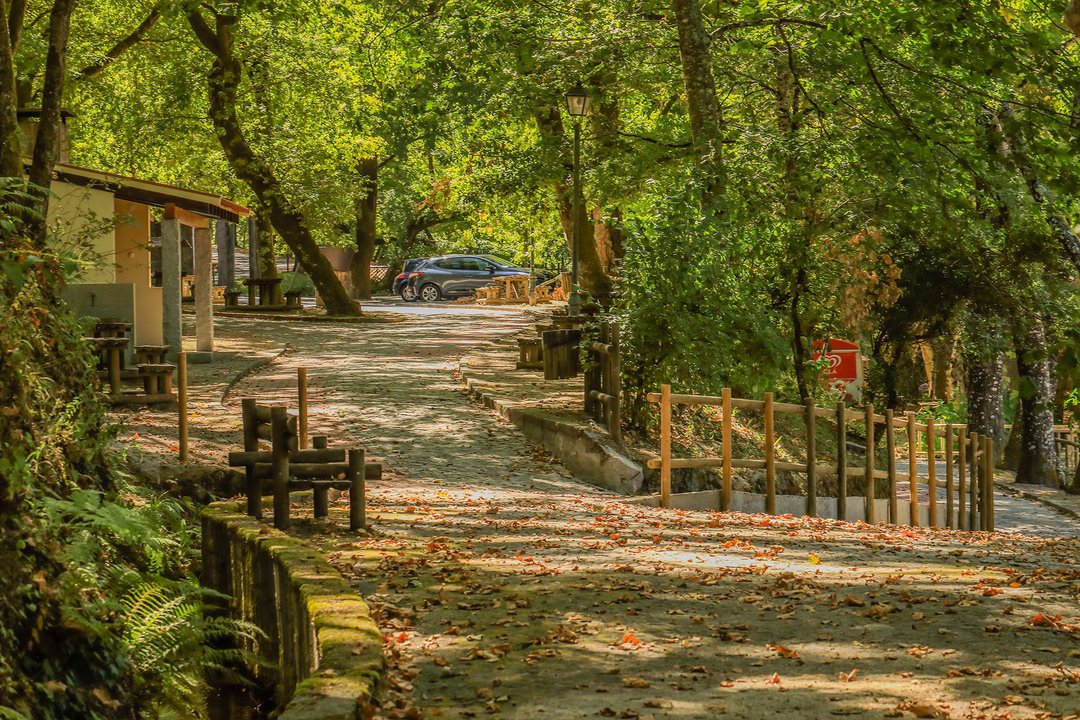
{"x":968,"y":458}
{"x":1068,"y":449}
{"x":603,"y":379}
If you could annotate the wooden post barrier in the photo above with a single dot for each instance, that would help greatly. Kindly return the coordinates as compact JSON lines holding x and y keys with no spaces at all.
{"x":950,"y":486}
{"x":770,"y":455}
{"x":321,"y":499}
{"x":973,"y":499}
{"x":357,"y":499}
{"x":890,"y":447}
{"x":931,"y":472}
{"x":841,"y":461}
{"x":913,"y":470}
{"x":665,"y":446}
{"x":727,"y":476}
{"x":302,"y":406}
{"x":811,"y":455}
{"x":280,"y":448}
{"x":988,"y":484}
{"x":251,"y":444}
{"x":870,"y":490}
{"x":603,"y":380}
{"x":961,"y":479}
{"x":182,"y":402}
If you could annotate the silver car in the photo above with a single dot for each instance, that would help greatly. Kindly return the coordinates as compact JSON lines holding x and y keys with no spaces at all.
{"x":455,"y":275}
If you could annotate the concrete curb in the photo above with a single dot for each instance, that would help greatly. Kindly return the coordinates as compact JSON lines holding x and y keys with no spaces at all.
{"x":326,"y":648}
{"x":1034,"y":497}
{"x":586,"y":452}
{"x":252,"y":368}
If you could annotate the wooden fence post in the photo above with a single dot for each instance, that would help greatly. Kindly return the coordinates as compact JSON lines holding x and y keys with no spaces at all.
{"x":913,"y":469}
{"x":890,"y":447}
{"x":961,"y":479}
{"x":665,"y":446}
{"x":950,"y":486}
{"x":357,"y":490}
{"x":869,"y":467}
{"x":725,"y":451}
{"x":931,"y":472}
{"x":841,"y":461}
{"x":973,"y":490}
{"x":251,"y":443}
{"x":321,"y":495}
{"x":988,"y":485}
{"x":614,"y":385}
{"x":182,"y":403}
{"x":811,"y":458}
{"x":280,"y":465}
{"x":302,"y":404}
{"x":770,"y":456}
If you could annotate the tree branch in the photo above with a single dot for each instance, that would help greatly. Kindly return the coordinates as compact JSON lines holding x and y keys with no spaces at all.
{"x":122,"y":46}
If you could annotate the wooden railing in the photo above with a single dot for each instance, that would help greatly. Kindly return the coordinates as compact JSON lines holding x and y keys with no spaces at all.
{"x":968,"y":457}
{"x":1068,"y":449}
{"x":603,"y":379}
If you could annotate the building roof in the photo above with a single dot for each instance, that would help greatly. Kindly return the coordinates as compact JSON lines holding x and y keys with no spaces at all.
{"x":152,"y":193}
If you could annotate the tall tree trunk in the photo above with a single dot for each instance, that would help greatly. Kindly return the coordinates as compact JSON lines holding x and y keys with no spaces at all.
{"x":11,"y":164}
{"x":224,"y":82}
{"x":609,"y":238}
{"x":1038,"y":456}
{"x":47,"y":145}
{"x":265,"y":254}
{"x":367,"y":199}
{"x":605,"y":123}
{"x":986,"y":396}
{"x":591,"y":272}
{"x":706,"y":119}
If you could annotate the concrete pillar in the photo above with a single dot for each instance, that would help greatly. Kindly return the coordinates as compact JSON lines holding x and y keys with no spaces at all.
{"x":225,"y":236}
{"x":204,"y":291}
{"x":253,"y":247}
{"x":170,"y":285}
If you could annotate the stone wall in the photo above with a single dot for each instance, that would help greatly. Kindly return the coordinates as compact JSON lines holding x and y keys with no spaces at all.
{"x":322,"y":649}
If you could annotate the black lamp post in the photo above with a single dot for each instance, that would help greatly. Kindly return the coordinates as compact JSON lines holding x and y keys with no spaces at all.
{"x":577,"y":102}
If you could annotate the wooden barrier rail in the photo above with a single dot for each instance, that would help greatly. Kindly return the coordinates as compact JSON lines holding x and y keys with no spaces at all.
{"x":603,"y":379}
{"x":968,"y":459}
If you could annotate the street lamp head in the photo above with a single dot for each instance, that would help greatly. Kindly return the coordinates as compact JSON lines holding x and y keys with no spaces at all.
{"x":577,"y":101}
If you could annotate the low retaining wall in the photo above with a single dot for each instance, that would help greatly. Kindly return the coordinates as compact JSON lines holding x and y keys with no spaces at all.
{"x":322,"y":648}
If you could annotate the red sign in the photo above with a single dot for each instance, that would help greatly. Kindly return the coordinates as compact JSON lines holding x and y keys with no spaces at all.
{"x":844,"y":368}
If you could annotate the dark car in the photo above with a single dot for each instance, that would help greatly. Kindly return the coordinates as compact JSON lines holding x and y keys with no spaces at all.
{"x":401,"y":282}
{"x":456,"y":275}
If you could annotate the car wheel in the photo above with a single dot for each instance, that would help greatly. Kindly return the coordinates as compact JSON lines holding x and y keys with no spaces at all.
{"x":430,"y":293}
{"x":408,"y":294}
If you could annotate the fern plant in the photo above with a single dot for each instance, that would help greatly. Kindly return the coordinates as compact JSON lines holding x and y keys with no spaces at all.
{"x":171,"y":632}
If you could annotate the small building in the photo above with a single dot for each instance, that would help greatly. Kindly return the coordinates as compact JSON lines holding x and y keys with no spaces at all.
{"x":112,"y":217}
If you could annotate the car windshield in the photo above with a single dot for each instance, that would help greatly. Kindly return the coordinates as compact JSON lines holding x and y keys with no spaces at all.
{"x":498,"y":260}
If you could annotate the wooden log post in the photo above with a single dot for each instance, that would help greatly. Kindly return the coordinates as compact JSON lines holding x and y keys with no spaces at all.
{"x":811,"y":457}
{"x":320,"y":495}
{"x":890,"y":448}
{"x":931,"y":472}
{"x":302,"y":407}
{"x":841,"y":461}
{"x":870,"y":490}
{"x":913,"y":469}
{"x":665,"y":446}
{"x":725,"y":451}
{"x":114,"y":354}
{"x":182,"y":403}
{"x":988,"y":484}
{"x":770,"y":455}
{"x":279,"y":433}
{"x":251,"y":444}
{"x":961,"y":479}
{"x":357,"y":499}
{"x":614,"y":384}
{"x":973,"y":489}
{"x":950,"y":485}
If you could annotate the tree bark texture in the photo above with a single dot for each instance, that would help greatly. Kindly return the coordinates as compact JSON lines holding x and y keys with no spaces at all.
{"x":591,"y":272}
{"x":224,"y":82}
{"x":11,"y":164}
{"x":367,"y":204}
{"x":1037,"y":463}
{"x":47,"y":144}
{"x":706,"y":118}
{"x":265,"y":246}
{"x":986,"y":396}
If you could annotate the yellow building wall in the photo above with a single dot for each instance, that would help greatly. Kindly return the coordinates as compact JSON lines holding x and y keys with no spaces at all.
{"x":133,"y":266}
{"x":82,"y":219}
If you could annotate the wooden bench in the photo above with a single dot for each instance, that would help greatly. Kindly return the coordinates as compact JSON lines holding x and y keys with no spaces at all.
{"x":232,"y":298}
{"x":530,"y":354}
{"x":263,"y":292}
{"x":157,"y":378}
{"x":293,"y":299}
{"x":150,"y":354}
{"x":111,"y":352}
